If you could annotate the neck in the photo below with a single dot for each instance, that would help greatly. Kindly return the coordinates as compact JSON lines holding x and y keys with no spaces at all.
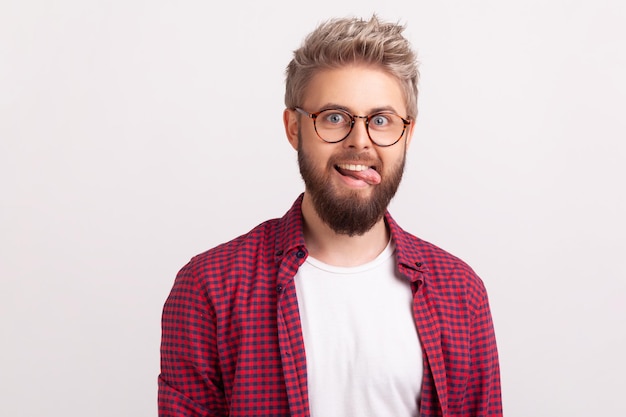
{"x":333,"y":248}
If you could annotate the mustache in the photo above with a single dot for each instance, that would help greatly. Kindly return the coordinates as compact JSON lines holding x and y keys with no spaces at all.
{"x":363,"y":158}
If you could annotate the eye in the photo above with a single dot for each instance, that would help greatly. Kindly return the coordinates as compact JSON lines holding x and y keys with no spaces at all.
{"x":380,"y":120}
{"x":335,"y":118}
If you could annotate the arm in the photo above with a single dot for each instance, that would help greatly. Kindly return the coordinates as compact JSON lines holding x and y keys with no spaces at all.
{"x":483,"y":395}
{"x":190,"y":380}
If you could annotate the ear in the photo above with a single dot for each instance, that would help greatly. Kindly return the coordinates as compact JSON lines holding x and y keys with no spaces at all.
{"x":290,"y":120}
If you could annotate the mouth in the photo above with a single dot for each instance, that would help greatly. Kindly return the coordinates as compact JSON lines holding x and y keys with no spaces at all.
{"x":360,"y":172}
{"x":353,"y":167}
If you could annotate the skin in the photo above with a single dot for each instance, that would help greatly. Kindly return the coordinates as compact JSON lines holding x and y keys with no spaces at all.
{"x":362,"y":89}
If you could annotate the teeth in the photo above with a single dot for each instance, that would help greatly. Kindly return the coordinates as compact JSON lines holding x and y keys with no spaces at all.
{"x":353,"y":167}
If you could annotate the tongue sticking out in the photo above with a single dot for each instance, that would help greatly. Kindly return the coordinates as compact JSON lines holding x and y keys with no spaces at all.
{"x":369,"y":175}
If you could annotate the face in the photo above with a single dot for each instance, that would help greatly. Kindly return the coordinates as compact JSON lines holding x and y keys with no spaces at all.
{"x":350,"y":183}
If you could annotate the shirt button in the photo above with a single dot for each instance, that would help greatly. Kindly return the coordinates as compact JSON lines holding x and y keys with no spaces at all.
{"x":279,"y":289}
{"x":300,"y":254}
{"x":418,"y":264}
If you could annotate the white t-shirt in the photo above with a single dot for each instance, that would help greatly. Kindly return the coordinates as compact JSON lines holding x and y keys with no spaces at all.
{"x":363,"y":353}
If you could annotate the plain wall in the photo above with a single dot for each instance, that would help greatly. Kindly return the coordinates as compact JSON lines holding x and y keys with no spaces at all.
{"x":136,"y":134}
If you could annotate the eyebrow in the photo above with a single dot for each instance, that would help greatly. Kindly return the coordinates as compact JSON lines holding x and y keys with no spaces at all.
{"x":334,"y":106}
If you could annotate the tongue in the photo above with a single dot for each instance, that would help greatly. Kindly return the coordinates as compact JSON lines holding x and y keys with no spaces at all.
{"x":370,"y":175}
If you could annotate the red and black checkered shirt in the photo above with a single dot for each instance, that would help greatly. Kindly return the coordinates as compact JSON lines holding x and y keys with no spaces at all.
{"x":232,"y":343}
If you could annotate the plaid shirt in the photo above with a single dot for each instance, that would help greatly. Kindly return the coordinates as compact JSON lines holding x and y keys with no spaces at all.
{"x":232,"y":343}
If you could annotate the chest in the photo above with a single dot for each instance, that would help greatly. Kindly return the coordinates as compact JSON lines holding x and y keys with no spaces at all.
{"x":362,"y":349}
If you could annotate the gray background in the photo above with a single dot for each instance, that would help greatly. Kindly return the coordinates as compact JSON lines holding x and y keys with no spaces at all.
{"x":135,"y":134}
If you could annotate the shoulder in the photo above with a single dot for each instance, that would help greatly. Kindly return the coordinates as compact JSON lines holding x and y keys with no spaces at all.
{"x":215,"y":276}
{"x":442,"y":272}
{"x":237,"y":252}
{"x":253,"y":254}
{"x":443,"y":265}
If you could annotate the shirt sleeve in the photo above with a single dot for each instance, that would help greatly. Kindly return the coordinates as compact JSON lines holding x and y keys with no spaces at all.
{"x":190,"y":382}
{"x":483,"y":395}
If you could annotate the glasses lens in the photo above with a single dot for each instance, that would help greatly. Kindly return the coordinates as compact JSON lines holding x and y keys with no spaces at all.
{"x":385,"y":128}
{"x":333,"y":125}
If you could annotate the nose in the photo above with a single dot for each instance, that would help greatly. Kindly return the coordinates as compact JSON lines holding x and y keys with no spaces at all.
{"x":358,"y":137}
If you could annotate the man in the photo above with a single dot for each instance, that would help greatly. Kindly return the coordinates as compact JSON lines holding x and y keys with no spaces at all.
{"x":333,"y":309}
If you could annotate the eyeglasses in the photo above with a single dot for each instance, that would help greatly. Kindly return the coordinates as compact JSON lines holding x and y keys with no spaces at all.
{"x":334,"y":125}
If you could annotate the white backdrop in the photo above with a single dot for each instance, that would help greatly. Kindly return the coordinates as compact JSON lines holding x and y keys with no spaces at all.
{"x":135,"y":134}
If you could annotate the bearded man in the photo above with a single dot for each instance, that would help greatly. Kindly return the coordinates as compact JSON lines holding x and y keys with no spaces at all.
{"x":333,"y":309}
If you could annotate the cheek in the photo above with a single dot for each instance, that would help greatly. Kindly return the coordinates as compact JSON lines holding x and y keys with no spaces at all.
{"x":393,"y":160}
{"x":315,"y":151}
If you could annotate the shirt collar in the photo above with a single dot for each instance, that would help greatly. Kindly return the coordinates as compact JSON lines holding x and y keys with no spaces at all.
{"x":408,"y":258}
{"x":290,"y":236}
{"x":290,"y":230}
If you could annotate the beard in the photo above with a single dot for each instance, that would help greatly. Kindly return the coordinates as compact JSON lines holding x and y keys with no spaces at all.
{"x":348,"y":212}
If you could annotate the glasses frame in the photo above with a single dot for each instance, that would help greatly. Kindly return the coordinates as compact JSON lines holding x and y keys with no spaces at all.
{"x":353,"y":122}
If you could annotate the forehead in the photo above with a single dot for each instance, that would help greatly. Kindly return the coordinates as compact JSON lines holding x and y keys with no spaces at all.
{"x":359,"y":88}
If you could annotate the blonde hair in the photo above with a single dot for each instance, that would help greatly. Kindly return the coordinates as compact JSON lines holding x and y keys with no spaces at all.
{"x":339,"y":42}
